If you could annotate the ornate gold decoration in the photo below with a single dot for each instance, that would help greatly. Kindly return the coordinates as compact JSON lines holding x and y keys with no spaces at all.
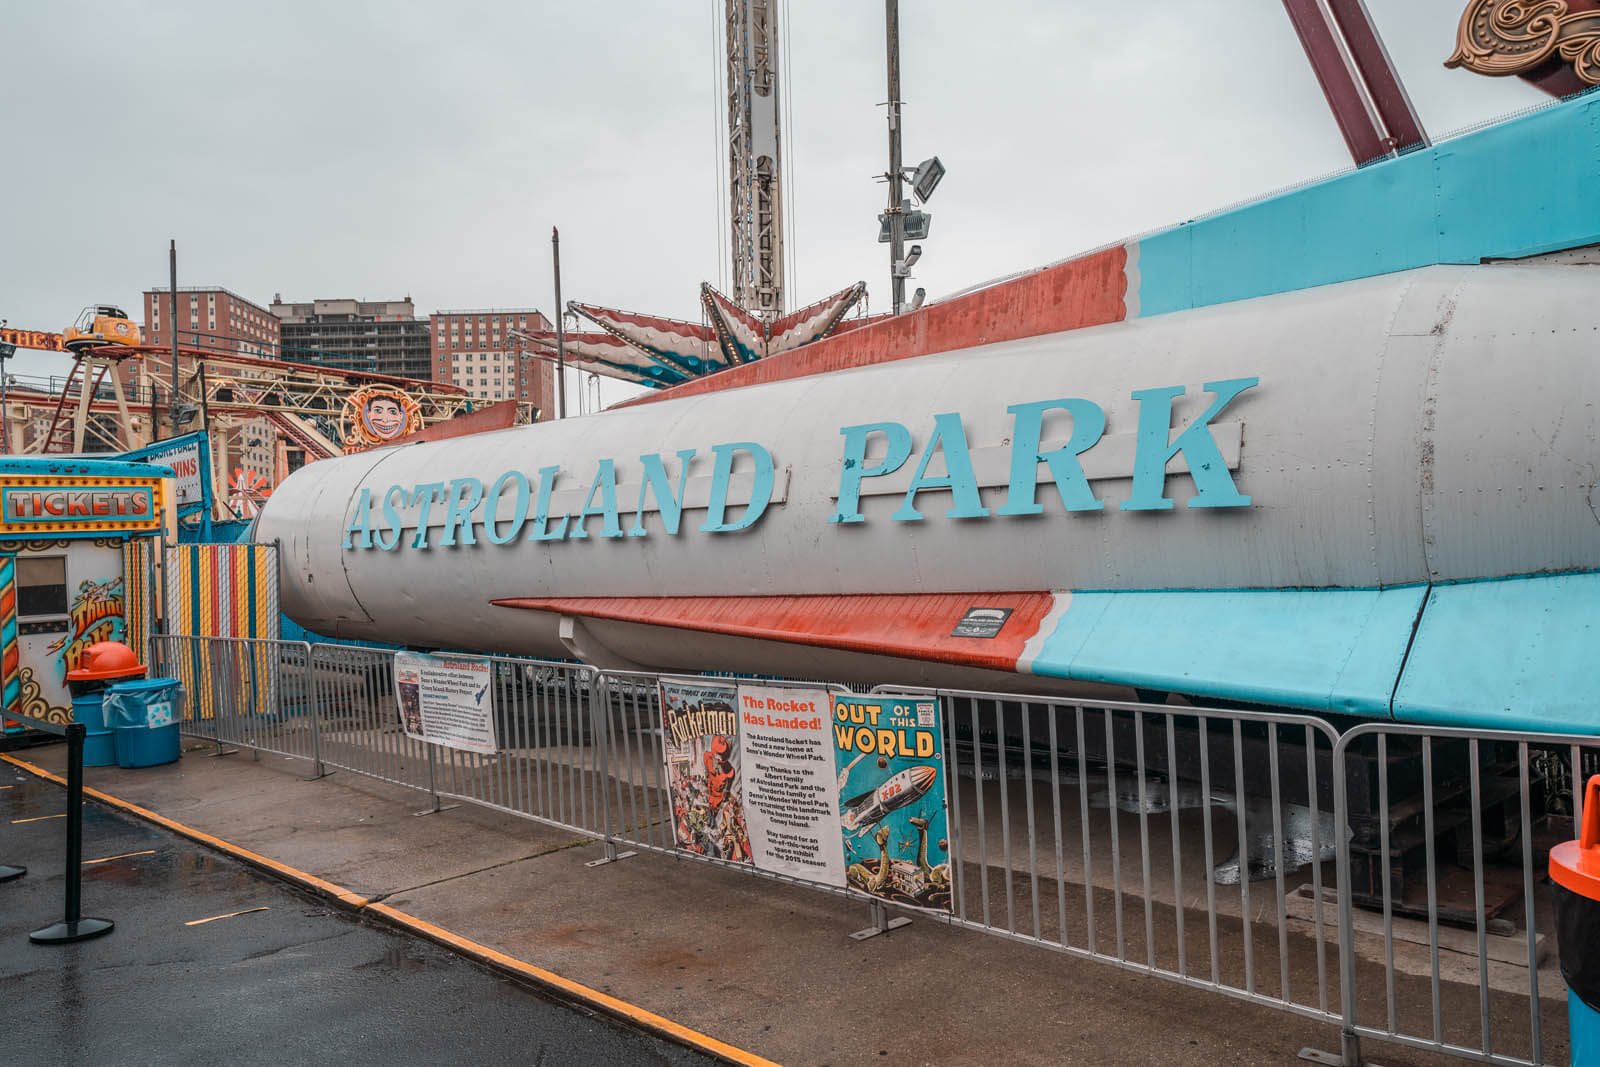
{"x":1501,"y":37}
{"x":33,"y":704}
{"x":376,"y":414}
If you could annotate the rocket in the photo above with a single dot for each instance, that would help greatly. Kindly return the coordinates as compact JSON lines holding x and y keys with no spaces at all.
{"x":894,"y":792}
{"x":1269,"y":457}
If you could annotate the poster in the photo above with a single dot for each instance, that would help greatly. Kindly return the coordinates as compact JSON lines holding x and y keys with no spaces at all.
{"x":700,"y":743}
{"x":786,"y":747}
{"x":889,"y":751}
{"x":446,"y":701}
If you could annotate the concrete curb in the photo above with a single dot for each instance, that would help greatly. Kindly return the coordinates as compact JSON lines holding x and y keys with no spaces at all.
{"x":560,"y":988}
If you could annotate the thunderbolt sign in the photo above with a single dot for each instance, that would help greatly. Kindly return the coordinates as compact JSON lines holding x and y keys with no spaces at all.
{"x":465,"y":511}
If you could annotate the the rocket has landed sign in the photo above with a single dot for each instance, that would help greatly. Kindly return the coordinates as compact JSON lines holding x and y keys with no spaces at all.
{"x":841,"y":791}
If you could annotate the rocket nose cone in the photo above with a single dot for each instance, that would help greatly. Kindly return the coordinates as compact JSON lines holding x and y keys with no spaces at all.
{"x":922,"y":778}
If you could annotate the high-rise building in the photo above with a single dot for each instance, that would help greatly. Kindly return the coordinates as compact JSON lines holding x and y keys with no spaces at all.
{"x":210,"y":318}
{"x":376,"y":336}
{"x":473,"y":348}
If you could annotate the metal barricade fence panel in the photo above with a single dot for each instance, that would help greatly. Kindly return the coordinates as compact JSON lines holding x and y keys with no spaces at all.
{"x":551,"y":748}
{"x":241,"y":691}
{"x":1113,"y":831}
{"x":358,"y":716}
{"x":1448,"y":928}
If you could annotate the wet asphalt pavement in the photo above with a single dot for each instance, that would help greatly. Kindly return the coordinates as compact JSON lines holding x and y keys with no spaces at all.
{"x":295,"y":982}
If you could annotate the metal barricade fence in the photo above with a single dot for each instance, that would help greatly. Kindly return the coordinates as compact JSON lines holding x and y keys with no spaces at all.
{"x":242,"y":691}
{"x":1444,"y":842}
{"x":1167,"y":840}
{"x":1345,"y":878}
{"x":358,"y":719}
{"x":551,"y":747}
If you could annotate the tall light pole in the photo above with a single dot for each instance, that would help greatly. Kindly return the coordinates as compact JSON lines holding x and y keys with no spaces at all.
{"x":172,"y":324}
{"x":561,"y":329}
{"x":897,"y":222}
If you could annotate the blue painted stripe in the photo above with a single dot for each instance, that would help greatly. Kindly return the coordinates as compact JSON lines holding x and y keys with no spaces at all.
{"x":1519,"y":188}
{"x":1517,"y":654}
{"x":1334,"y":650}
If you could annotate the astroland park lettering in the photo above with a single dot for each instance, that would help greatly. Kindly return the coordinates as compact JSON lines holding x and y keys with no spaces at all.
{"x":465,"y":511}
{"x":865,"y":728}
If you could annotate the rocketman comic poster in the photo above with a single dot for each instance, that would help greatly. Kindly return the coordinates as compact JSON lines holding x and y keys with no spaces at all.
{"x":700,"y":744}
{"x":889,"y":752}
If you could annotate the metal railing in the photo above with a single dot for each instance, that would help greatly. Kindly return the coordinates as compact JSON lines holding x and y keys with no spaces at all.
{"x":1386,"y":880}
{"x":1482,"y":918}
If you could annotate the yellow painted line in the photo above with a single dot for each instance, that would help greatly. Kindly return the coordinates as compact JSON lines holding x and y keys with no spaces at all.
{"x":344,"y":896}
{"x":125,"y":855}
{"x":230,"y":915}
{"x":648,"y":1020}
{"x":575,"y":991}
{"x":7,"y":787}
{"x":39,"y":818}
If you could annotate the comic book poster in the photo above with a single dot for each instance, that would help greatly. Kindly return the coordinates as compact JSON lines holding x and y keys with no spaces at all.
{"x":889,"y":751}
{"x":700,"y":743}
{"x":786,"y":748}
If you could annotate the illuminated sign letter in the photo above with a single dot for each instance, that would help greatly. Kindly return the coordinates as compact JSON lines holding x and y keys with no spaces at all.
{"x":655,"y":481}
{"x":1213,"y":484}
{"x":605,"y":480}
{"x":424,"y":496}
{"x":854,"y":467}
{"x":465,"y":494}
{"x":392,"y":517}
{"x":760,"y":487}
{"x":541,"y":518}
{"x":492,"y":508}
{"x":951,"y":438}
{"x":1088,"y":424}
{"x":358,"y":525}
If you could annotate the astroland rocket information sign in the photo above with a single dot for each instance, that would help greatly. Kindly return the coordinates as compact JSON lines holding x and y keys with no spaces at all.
{"x":840,"y":791}
{"x":446,"y":701}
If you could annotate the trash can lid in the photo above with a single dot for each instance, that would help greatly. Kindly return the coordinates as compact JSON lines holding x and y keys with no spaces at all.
{"x":106,"y":659}
{"x":136,"y":685}
{"x":1576,"y":864}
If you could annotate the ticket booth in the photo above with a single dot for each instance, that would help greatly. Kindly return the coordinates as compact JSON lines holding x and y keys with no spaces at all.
{"x":78,"y":550}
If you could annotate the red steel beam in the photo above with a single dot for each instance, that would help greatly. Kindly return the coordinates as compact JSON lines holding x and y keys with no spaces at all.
{"x":1358,"y":79}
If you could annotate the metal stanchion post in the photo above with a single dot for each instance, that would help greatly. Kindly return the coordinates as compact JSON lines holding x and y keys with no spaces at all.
{"x":313,"y":690}
{"x":600,"y":727}
{"x":73,"y":928}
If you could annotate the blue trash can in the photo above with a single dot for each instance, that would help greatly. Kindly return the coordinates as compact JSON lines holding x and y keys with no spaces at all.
{"x":99,"y":742}
{"x":145,"y":715}
{"x":104,"y":664}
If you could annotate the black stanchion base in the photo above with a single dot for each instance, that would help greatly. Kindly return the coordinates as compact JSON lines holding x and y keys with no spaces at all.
{"x":65,"y":933}
{"x":7,"y":873}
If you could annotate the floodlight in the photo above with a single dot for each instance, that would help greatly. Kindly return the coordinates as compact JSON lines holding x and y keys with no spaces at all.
{"x":7,"y":349}
{"x":925,"y":179}
{"x":915,"y":226}
{"x":918,"y":297}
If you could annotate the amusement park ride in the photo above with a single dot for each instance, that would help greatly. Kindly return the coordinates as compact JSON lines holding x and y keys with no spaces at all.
{"x":118,"y":397}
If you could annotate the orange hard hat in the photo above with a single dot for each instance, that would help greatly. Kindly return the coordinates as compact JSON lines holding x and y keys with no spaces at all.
{"x":106,"y":659}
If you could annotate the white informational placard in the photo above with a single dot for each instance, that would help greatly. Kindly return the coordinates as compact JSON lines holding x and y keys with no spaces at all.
{"x":790,"y":787}
{"x":446,"y":701}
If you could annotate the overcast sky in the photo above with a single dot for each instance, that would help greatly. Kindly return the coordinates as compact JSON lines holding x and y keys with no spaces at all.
{"x":383,"y":149}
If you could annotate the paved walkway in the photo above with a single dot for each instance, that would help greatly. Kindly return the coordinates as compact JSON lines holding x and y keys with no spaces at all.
{"x":211,"y":962}
{"x":701,"y":954}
